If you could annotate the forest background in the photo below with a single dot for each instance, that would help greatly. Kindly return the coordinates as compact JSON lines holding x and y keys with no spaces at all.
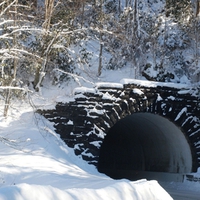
{"x":55,"y":41}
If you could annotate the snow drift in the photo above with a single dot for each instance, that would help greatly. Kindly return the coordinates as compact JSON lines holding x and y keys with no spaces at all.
{"x":35,"y":164}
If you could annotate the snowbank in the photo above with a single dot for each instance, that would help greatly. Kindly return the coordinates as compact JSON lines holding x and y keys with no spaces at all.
{"x":35,"y":164}
{"x":140,"y":190}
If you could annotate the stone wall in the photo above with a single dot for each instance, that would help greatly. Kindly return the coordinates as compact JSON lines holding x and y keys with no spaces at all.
{"x":84,"y":121}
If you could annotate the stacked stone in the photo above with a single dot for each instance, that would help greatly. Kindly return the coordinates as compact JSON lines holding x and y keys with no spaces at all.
{"x":84,"y":121}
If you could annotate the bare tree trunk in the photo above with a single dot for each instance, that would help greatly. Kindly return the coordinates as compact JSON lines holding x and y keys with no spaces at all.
{"x":35,"y":3}
{"x":40,"y":68}
{"x":197,"y":10}
{"x":100,"y":56}
{"x":83,"y":10}
{"x":13,"y":78}
{"x":197,"y":37}
{"x":37,"y":76}
{"x":119,"y":6}
{"x":136,"y":18}
{"x":135,"y":38}
{"x":49,"y":5}
{"x":100,"y":40}
{"x":164,"y":44}
{"x":196,"y":42}
{"x":7,"y":102}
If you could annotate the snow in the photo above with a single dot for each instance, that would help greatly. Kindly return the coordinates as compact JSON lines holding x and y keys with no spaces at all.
{"x":137,"y":91}
{"x":70,"y":122}
{"x":183,"y":91}
{"x":109,"y":85}
{"x":110,"y":97}
{"x":153,"y":83}
{"x":184,"y":110}
{"x":84,"y":90}
{"x":36,"y":164}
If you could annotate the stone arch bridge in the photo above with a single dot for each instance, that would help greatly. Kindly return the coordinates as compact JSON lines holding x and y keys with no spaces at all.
{"x":132,"y":125}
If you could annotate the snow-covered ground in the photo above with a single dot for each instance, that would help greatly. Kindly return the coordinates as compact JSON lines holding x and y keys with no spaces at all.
{"x":35,"y":164}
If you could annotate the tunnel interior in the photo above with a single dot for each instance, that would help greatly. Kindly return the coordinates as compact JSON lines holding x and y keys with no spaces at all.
{"x":144,"y":142}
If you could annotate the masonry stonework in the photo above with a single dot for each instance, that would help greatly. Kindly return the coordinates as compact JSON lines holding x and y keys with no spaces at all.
{"x":84,"y":121}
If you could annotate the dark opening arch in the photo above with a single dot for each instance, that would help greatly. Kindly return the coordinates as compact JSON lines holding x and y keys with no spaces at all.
{"x":144,"y":142}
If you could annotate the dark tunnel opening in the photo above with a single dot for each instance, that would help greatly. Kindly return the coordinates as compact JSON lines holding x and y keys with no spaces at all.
{"x":141,"y":143}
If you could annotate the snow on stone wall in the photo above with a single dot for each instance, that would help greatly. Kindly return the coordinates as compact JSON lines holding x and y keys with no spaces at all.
{"x":84,"y":122}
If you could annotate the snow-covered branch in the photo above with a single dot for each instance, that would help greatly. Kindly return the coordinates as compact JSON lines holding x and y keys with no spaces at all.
{"x":76,"y":77}
{"x":12,"y":53}
{"x":14,"y":88}
{"x":11,"y":4}
{"x":19,"y":29}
